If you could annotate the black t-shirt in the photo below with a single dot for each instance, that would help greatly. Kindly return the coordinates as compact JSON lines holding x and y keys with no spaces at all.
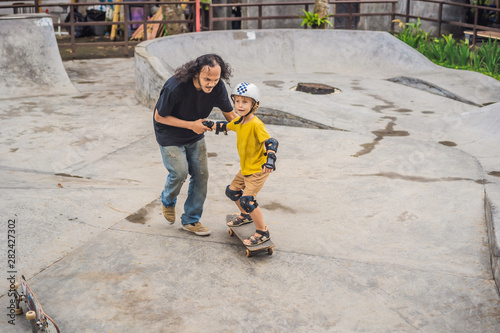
{"x":183,"y":101}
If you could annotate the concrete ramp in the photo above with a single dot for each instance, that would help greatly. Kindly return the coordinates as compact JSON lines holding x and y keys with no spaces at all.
{"x":289,"y":54}
{"x":485,"y":121}
{"x":30,"y":63}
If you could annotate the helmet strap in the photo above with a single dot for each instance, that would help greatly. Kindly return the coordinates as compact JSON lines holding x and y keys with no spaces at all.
{"x":255,"y":106}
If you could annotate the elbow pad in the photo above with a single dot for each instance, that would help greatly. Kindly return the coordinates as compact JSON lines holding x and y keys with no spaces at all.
{"x":271,"y":144}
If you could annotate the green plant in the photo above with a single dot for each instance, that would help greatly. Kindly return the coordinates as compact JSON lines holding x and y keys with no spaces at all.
{"x":464,"y":54}
{"x":437,"y":51}
{"x":491,"y":55}
{"x":447,"y":51}
{"x":313,"y":20}
{"x":412,"y":33}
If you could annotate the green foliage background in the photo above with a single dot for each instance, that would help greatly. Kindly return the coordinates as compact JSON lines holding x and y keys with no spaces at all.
{"x":448,"y":52}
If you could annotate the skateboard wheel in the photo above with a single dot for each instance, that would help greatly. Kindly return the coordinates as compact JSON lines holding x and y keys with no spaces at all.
{"x":231,"y":232}
{"x":270,"y":251}
{"x":18,"y":311}
{"x":249,"y":253}
{"x":31,"y":315}
{"x":16,"y":285}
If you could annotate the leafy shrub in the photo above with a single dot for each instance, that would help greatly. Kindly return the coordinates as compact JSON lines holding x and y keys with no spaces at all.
{"x":447,"y":51}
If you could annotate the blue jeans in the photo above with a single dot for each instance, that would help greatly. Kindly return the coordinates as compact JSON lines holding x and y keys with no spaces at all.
{"x":180,"y":161}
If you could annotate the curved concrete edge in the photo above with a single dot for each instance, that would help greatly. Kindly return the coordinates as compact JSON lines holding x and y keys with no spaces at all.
{"x":30,"y":62}
{"x":150,"y":75}
{"x":477,"y":133}
{"x":276,"y":50}
{"x":493,"y":225}
{"x":273,"y":51}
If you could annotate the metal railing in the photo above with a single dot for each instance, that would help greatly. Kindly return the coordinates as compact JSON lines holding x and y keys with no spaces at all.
{"x":36,"y":7}
{"x":440,"y":21}
{"x":351,"y":14}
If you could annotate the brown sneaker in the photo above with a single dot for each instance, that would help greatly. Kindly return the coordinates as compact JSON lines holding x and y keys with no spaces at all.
{"x":168,"y":214}
{"x":197,"y":228}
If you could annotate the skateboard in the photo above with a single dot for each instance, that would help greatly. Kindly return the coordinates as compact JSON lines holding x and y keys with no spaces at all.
{"x":40,"y":322}
{"x":245,"y":231}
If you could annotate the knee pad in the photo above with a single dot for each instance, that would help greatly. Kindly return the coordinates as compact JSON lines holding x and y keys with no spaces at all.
{"x":233,"y":195}
{"x":246,"y":205}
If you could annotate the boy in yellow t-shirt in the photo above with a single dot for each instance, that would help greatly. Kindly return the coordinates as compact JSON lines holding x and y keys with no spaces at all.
{"x":257,"y":151}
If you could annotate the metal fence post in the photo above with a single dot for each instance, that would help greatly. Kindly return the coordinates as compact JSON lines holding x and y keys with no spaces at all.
{"x":260,"y":17}
{"x":393,"y":16}
{"x":350,"y":17}
{"x":440,"y":18}
{"x":145,"y":24}
{"x":408,"y":4}
{"x":210,"y":18}
{"x":125,"y":28}
{"x":474,"y":30}
{"x":197,"y":15}
{"x":72,"y":22}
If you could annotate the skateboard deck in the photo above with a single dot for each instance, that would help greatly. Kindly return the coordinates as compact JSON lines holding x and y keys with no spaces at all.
{"x":245,"y":231}
{"x":40,"y":322}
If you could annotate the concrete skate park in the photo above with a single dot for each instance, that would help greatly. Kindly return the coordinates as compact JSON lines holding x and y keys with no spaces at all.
{"x":383,"y":207}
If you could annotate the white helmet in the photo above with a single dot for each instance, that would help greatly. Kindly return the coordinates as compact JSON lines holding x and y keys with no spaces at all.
{"x":248,"y":90}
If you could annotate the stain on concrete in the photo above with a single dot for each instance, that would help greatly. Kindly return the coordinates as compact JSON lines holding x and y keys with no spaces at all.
{"x":403,"y":110}
{"x":355,"y":85}
{"x":418,"y":179}
{"x":494,"y":173}
{"x":83,"y":141}
{"x":379,"y":135}
{"x":428,"y":112}
{"x":82,"y":96}
{"x":143,"y":214}
{"x":276,"y":84}
{"x":379,"y":108}
{"x":44,"y":129}
{"x":212,"y":155}
{"x":13,"y":150}
{"x":448,"y":143}
{"x":407,"y":216}
{"x":275,"y":206}
{"x":139,"y":216}
{"x":68,"y":175}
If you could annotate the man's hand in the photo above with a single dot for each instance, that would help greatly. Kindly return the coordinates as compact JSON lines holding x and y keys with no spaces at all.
{"x":198,"y":127}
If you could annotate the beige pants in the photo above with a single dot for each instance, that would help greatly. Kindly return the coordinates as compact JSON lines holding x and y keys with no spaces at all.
{"x":251,"y":184}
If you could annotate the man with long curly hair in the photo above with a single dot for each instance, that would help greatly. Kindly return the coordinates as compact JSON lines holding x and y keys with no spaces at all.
{"x":185,"y":101}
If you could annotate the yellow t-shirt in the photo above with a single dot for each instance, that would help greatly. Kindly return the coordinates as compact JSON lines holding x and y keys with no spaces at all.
{"x":250,"y":139}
